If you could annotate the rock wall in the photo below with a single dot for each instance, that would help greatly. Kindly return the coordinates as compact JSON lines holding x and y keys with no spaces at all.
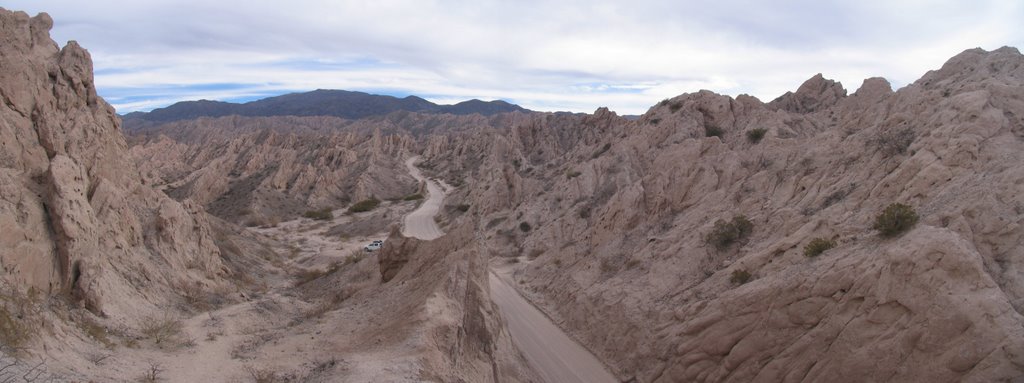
{"x":612,"y":228}
{"x":75,"y":216}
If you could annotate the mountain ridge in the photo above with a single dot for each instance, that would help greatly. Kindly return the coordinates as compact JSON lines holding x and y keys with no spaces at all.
{"x":320,"y":102}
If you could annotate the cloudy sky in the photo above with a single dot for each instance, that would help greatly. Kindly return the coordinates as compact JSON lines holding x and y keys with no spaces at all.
{"x":544,"y":55}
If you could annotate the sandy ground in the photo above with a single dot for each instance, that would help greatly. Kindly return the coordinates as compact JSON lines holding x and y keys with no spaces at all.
{"x":269,"y":331}
{"x":277,"y":331}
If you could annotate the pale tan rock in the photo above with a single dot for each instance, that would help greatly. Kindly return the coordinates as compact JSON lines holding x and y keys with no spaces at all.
{"x":616,"y":242}
{"x":76,"y":217}
{"x":815,"y":94}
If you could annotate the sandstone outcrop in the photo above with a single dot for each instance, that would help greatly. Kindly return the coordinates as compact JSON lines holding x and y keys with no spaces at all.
{"x":608,"y":221}
{"x":613,"y":226}
{"x":75,"y":217}
{"x":815,"y":94}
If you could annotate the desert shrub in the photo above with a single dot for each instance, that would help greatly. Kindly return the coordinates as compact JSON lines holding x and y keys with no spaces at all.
{"x":413,"y":197}
{"x":97,"y":332}
{"x":462,"y":207}
{"x":364,"y":205}
{"x":663,"y":102}
{"x":162,"y":330}
{"x":655,"y":121}
{"x":893,"y":141}
{"x":818,"y":246}
{"x":713,"y":131}
{"x":308,"y":275}
{"x":609,"y":265}
{"x":572,"y":174}
{"x":13,"y":334}
{"x":322,"y":214}
{"x":895,"y":219}
{"x":726,"y":233}
{"x":755,"y":135}
{"x":739,"y":277}
{"x":601,"y":151}
{"x":152,"y":373}
{"x":525,"y":226}
{"x":193,"y":293}
{"x":675,"y":106}
{"x":259,"y":375}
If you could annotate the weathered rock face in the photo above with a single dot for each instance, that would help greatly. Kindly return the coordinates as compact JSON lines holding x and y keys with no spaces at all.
{"x":815,"y":94}
{"x":259,"y":170}
{"x":616,"y":226}
{"x":74,"y":215}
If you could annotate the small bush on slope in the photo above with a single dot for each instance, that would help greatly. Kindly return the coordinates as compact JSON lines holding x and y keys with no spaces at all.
{"x":364,"y":205}
{"x":739,"y":277}
{"x":322,"y":214}
{"x":818,"y":246}
{"x":755,"y":135}
{"x":726,"y":233}
{"x":896,"y":219}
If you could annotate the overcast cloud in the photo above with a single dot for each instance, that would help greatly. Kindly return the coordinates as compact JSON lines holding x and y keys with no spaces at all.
{"x":543,"y":55}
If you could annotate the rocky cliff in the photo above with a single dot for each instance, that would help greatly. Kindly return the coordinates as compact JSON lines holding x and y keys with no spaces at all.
{"x":711,"y":239}
{"x":77,"y":222}
{"x":617,"y":229}
{"x":261,"y":170}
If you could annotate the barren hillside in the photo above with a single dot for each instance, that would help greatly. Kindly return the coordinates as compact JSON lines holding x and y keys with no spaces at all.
{"x":721,"y":239}
{"x":876,"y":235}
{"x":628,"y":236}
{"x":106,"y":278}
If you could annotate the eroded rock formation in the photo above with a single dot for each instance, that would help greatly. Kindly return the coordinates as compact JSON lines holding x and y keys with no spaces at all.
{"x":75,"y":216}
{"x":614,"y":229}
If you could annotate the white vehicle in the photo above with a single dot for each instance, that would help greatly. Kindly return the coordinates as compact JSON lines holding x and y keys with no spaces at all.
{"x":374,"y":246}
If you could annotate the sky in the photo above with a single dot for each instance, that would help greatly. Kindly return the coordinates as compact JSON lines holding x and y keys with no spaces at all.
{"x":543,"y":55}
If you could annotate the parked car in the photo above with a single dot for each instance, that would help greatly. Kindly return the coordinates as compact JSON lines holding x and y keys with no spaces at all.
{"x":374,"y":246}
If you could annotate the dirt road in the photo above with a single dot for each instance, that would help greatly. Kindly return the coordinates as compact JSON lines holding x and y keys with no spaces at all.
{"x":555,"y":356}
{"x":420,"y":223}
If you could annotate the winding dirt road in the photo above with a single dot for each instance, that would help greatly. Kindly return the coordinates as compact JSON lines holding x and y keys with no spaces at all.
{"x":420,"y":223}
{"x":555,"y":356}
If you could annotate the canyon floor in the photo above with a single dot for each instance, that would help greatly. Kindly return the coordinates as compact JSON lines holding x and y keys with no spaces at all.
{"x":279,"y":332}
{"x":276,"y":331}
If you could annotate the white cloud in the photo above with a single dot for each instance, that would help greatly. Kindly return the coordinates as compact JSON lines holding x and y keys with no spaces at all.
{"x":569,"y":55}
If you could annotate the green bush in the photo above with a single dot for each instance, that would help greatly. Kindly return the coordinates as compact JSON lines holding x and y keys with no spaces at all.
{"x":739,"y":277}
{"x":818,"y":246}
{"x":726,"y":233}
{"x":713,"y":131}
{"x":364,"y":205}
{"x":322,"y":214}
{"x":895,"y":219}
{"x":162,"y":330}
{"x":13,"y":333}
{"x":525,"y":226}
{"x":413,"y":197}
{"x":893,"y":141}
{"x":755,"y":135}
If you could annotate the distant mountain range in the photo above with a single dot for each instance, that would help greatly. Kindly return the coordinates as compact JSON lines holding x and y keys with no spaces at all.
{"x":321,"y":102}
